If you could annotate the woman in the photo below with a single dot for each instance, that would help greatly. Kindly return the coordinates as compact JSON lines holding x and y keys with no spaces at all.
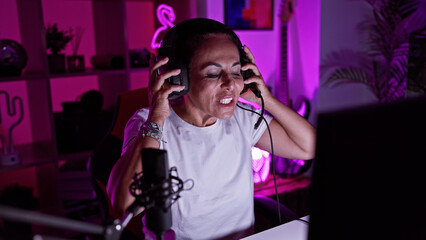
{"x":207,"y":138}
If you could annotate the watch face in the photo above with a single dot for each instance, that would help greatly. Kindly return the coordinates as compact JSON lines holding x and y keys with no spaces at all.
{"x":13,"y":57}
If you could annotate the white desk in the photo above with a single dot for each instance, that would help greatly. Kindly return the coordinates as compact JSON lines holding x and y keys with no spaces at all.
{"x":294,"y":230}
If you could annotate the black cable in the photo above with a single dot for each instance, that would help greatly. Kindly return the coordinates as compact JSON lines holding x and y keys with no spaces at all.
{"x":272,"y":157}
{"x":261,"y":114}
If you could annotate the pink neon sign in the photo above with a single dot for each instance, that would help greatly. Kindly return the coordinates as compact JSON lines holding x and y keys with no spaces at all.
{"x":166,"y":16}
{"x":261,"y":161}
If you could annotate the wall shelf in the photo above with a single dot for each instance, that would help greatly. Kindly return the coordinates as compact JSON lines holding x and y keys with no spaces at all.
{"x":89,"y":72}
{"x":110,"y":37}
{"x":32,"y":155}
{"x":28,"y":76}
{"x":25,"y":76}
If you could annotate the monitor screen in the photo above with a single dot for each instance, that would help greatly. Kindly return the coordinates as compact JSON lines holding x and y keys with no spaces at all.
{"x":369,"y":173}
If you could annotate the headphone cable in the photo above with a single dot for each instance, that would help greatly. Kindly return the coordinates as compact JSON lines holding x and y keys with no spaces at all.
{"x":272,"y":154}
{"x":261,"y":114}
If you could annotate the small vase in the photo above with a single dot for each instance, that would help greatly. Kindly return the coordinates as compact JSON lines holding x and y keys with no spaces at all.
{"x":56,"y":63}
{"x":75,"y":63}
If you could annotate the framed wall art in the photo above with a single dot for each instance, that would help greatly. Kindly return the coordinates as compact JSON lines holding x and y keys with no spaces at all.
{"x":249,"y":14}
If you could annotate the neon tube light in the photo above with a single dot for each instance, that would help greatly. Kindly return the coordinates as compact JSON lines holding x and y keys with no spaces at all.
{"x":166,"y":16}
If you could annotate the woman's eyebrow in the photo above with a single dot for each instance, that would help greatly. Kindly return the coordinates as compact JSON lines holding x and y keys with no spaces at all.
{"x":207,"y":64}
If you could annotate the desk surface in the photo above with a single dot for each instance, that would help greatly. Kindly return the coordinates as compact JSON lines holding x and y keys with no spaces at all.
{"x":295,"y":230}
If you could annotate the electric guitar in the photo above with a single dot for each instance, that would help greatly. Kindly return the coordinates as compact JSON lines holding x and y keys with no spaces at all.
{"x":289,"y":167}
{"x":282,"y":92}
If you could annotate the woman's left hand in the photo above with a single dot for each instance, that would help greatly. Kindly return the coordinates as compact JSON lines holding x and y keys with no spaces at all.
{"x":256,"y":79}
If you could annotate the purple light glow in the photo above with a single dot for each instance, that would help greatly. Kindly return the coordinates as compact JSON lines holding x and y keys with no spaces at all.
{"x":166,"y":16}
{"x":261,"y":161}
{"x":302,"y":109}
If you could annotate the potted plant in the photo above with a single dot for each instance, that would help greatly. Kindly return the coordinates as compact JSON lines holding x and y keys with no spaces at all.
{"x":383,"y":67}
{"x":56,"y":41}
{"x":75,"y":62}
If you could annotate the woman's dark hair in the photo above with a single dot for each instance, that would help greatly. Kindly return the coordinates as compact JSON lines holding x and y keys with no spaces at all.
{"x":185,"y":37}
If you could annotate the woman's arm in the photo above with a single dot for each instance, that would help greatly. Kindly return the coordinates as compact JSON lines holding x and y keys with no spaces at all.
{"x":130,"y":162}
{"x":292,"y":135}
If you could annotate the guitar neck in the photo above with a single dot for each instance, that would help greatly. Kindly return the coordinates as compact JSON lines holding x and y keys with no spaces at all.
{"x":283,"y":92}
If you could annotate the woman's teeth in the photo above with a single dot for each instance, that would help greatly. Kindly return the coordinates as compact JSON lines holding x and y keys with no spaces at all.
{"x":225,"y":100}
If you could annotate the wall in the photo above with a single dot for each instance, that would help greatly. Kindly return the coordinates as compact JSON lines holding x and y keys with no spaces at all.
{"x":140,"y":25}
{"x":339,"y":20}
{"x":304,"y":52}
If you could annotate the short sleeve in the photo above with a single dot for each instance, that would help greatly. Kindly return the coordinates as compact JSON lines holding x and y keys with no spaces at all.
{"x":248,"y":117}
{"x":133,"y":125}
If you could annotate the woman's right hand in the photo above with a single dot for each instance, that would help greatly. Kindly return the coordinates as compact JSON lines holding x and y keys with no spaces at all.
{"x":159,"y":90}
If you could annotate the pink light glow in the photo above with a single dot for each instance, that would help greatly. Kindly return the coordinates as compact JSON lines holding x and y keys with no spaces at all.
{"x":261,"y":161}
{"x":255,"y":105}
{"x":166,"y":16}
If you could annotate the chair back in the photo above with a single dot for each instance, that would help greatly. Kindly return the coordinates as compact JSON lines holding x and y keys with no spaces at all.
{"x":108,"y":151}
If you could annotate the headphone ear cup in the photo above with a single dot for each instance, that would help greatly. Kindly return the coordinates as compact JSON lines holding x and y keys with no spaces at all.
{"x":175,"y":63}
{"x":244,"y":60}
{"x":247,"y":74}
{"x":181,"y":79}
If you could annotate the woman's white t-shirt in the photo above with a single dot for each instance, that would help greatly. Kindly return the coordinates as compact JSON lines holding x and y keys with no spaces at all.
{"x":218,"y":159}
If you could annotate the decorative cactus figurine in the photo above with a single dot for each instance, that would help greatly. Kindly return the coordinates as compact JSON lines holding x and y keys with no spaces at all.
{"x":8,"y":156}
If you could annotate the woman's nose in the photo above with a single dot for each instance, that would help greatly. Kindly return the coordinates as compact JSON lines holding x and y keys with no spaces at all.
{"x":228,"y":81}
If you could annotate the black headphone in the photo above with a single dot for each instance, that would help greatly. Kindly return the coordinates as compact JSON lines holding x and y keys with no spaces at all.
{"x":168,"y":49}
{"x":173,"y":46}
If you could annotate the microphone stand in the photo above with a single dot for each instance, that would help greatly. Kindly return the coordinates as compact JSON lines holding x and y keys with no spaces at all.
{"x":110,"y":232}
{"x":155,"y":198}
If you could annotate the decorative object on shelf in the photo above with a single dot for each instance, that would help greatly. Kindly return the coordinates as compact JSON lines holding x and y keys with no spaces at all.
{"x":56,"y":41}
{"x":139,"y":58}
{"x":9,"y":156}
{"x":107,"y":61}
{"x":75,"y":62}
{"x":82,"y":124}
{"x":13,"y":58}
{"x":383,"y":67}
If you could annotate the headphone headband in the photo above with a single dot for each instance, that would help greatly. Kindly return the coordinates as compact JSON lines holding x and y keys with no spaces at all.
{"x":181,"y":41}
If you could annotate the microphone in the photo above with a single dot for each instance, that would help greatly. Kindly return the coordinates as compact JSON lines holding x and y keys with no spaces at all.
{"x":156,"y":188}
{"x":156,"y":185}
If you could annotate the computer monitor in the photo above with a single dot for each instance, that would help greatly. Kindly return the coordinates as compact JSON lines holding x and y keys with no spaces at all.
{"x":369,"y":174}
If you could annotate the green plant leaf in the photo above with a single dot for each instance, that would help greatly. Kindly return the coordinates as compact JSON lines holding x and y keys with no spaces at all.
{"x":57,"y":40}
{"x":385,"y":70}
{"x":348,"y":75}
